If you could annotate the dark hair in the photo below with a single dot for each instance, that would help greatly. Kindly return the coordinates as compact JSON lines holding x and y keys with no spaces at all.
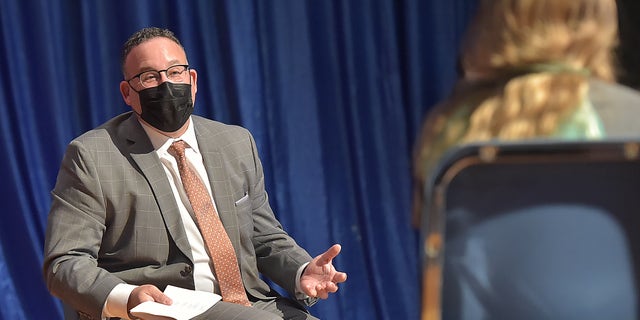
{"x":143,"y":35}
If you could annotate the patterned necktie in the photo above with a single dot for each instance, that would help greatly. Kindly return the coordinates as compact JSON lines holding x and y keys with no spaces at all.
{"x":215,"y":237}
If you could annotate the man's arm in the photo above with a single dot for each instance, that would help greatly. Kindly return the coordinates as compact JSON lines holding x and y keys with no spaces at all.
{"x":75,"y":227}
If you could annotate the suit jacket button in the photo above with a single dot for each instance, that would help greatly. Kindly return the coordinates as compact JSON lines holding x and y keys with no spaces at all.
{"x":187,"y":271}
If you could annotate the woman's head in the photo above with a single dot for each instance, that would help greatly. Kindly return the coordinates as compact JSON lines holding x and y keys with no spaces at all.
{"x":509,"y":35}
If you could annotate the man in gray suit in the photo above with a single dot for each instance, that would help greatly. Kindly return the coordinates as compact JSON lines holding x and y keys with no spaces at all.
{"x":121,"y":226}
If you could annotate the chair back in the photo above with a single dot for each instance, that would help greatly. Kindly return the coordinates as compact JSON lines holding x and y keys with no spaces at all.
{"x":534,"y":231}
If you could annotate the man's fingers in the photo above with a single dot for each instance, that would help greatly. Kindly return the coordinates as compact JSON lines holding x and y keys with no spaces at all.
{"x":321,"y":291}
{"x":147,"y":293}
{"x":328,"y":255}
{"x":160,"y":297}
{"x":331,"y":287}
{"x":340,"y":277}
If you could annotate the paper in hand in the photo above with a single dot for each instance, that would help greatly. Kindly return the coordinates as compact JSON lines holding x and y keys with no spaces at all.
{"x":186,"y":305}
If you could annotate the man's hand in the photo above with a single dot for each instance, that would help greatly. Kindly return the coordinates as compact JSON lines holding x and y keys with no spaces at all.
{"x":145,"y":293}
{"x":320,"y":277}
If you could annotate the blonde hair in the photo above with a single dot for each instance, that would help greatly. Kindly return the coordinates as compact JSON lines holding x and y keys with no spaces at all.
{"x":529,"y":62}
{"x":511,"y":34}
{"x":533,"y":105}
{"x":554,"y":44}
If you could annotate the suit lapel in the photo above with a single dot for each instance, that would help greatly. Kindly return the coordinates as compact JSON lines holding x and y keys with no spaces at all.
{"x":219,"y":181}
{"x":142,"y":153}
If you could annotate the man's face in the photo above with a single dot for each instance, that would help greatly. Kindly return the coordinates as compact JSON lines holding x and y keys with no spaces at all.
{"x":155,"y":54}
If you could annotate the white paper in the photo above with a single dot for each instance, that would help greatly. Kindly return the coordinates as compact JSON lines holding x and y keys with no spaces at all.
{"x":186,"y":305}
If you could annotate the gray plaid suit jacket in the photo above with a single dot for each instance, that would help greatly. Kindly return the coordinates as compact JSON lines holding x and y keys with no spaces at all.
{"x":114,"y":219}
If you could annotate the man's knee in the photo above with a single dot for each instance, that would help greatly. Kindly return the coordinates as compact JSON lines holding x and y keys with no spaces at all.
{"x":231,"y":311}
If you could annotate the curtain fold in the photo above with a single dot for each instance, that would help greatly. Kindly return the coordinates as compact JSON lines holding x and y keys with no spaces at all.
{"x":334,"y":92}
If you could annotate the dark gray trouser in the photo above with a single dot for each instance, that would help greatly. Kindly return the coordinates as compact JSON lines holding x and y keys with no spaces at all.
{"x":278,"y":309}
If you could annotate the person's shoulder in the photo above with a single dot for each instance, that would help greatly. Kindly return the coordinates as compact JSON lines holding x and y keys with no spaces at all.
{"x":104,"y":129}
{"x":608,"y":93}
{"x":618,"y":107}
{"x":217,"y":128}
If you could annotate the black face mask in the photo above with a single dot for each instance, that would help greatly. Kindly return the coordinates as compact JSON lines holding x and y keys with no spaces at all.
{"x":166,"y":107}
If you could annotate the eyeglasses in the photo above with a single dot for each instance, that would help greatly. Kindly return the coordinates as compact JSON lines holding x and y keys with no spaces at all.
{"x":150,"y":79}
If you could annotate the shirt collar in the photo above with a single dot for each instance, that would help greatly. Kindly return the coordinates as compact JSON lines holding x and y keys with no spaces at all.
{"x":161,"y":142}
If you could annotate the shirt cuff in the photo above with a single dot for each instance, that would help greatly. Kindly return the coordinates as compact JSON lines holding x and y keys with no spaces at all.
{"x":300,"y":295}
{"x":116,"y":304}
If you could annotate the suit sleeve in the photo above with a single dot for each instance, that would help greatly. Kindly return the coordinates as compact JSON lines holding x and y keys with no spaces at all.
{"x":76,"y":224}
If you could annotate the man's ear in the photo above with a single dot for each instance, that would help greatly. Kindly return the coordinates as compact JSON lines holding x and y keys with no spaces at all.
{"x":194,"y":82}
{"x":125,"y":91}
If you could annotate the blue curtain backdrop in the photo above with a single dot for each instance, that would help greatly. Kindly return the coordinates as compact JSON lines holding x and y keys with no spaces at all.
{"x":334,"y":92}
